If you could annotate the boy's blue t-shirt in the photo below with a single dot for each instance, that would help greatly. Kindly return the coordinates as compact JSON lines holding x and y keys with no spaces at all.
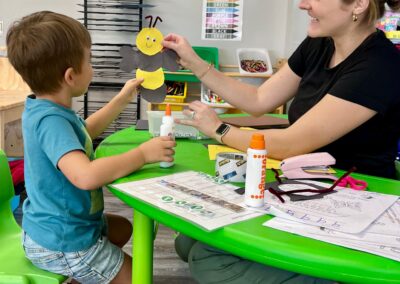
{"x":57,"y":215}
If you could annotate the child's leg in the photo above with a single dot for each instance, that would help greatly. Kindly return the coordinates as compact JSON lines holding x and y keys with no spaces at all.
{"x":125,"y":273}
{"x":119,"y":229}
{"x":119,"y":233}
{"x":101,"y":263}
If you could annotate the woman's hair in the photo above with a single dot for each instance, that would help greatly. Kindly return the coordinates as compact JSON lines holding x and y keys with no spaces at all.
{"x":43,"y":45}
{"x":376,"y":8}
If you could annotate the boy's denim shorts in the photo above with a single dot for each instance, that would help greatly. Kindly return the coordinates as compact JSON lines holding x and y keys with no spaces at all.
{"x":97,"y":264}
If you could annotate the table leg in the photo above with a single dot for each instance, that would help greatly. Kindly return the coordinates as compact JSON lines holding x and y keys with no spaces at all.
{"x":142,"y":252}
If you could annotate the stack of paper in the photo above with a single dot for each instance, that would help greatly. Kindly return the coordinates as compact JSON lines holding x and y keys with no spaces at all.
{"x":361,"y":220}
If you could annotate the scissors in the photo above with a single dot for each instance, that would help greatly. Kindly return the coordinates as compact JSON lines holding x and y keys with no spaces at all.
{"x":353,"y":183}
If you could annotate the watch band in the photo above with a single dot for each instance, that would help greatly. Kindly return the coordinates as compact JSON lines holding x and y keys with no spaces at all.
{"x":221,"y":131}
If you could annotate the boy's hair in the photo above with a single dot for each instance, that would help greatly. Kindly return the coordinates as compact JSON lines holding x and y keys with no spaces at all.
{"x":43,"y":45}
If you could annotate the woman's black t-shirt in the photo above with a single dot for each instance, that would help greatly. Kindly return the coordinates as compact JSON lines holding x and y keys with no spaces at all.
{"x":369,"y":77}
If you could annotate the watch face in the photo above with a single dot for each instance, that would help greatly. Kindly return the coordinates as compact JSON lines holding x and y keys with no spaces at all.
{"x":222,"y":129}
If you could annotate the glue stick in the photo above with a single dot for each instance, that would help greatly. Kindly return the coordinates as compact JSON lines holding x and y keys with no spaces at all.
{"x":167,"y":128}
{"x":255,"y":171}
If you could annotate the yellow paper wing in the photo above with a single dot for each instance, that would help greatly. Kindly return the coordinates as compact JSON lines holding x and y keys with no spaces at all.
{"x":152,"y":80}
{"x":149,"y":41}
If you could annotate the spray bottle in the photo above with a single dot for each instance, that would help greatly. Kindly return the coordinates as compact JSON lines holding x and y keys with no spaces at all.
{"x":255,"y":171}
{"x":167,"y":128}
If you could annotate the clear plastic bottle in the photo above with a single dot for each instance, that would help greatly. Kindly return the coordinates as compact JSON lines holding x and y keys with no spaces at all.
{"x":255,"y":171}
{"x":167,"y":128}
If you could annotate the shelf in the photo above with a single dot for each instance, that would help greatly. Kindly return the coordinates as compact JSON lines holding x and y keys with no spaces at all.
{"x":230,"y":74}
{"x":228,"y":70}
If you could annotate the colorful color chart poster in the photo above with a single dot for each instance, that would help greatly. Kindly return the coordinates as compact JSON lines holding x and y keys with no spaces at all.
{"x":222,"y":20}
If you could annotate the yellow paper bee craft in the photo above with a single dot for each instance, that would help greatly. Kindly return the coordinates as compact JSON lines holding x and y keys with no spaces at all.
{"x":148,"y":61}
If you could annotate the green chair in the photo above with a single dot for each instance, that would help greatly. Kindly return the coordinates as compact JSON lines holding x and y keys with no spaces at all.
{"x":15,"y":268}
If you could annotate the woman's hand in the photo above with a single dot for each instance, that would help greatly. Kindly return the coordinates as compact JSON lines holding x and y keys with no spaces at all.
{"x":188,"y":57}
{"x":202,"y":117}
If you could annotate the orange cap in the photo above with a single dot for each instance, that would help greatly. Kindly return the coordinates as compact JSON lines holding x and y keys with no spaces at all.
{"x":168,"y":110}
{"x":257,"y":141}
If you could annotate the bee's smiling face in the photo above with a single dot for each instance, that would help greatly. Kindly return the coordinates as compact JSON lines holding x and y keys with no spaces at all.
{"x":149,"y":41}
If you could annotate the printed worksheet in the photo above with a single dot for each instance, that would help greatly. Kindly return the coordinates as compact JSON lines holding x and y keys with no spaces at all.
{"x":344,"y":210}
{"x":381,"y":238}
{"x":195,"y":196}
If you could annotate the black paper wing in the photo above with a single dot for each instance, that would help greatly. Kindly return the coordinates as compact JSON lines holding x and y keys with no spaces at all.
{"x":129,"y":60}
{"x":170,"y":60}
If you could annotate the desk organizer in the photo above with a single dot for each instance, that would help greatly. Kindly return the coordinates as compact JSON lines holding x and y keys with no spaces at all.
{"x":254,"y":54}
{"x":210,"y":98}
{"x":181,"y":131}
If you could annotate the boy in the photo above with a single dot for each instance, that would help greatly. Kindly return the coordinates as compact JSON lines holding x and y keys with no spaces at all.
{"x":65,"y":230}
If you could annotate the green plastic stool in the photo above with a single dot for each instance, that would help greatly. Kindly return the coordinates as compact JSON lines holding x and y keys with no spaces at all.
{"x":15,"y":268}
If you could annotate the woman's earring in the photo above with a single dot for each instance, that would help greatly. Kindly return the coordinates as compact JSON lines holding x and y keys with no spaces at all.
{"x":355,"y":17}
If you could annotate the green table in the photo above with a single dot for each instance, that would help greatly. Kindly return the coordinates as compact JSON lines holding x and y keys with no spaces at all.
{"x":247,"y":239}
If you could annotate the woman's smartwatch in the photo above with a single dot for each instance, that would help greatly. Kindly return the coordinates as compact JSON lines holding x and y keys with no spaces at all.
{"x":221,"y":131}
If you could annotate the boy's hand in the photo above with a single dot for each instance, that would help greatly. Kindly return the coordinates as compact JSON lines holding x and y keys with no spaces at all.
{"x":129,"y":91}
{"x":159,"y":149}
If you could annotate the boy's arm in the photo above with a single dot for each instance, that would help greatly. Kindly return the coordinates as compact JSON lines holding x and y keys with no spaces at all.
{"x":89,"y":175}
{"x":101,"y":119}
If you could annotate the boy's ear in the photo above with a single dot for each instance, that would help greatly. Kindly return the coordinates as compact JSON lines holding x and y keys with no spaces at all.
{"x":361,"y":6}
{"x":69,"y":76}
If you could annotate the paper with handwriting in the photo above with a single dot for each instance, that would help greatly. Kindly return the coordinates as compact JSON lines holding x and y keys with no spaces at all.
{"x":346,"y":210}
{"x":382,"y":237}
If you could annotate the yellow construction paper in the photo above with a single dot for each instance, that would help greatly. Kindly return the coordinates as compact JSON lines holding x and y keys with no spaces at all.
{"x":213,"y":150}
{"x":152,"y":80}
{"x":149,"y":41}
{"x":273,"y":164}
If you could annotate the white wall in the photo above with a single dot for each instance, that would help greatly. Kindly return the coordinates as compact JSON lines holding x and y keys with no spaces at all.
{"x":15,"y":9}
{"x":264,"y":25}
{"x":273,"y":24}
{"x":297,"y":21}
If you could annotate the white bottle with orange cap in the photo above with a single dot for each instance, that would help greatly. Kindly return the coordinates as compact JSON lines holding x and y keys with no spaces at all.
{"x":167,"y":128}
{"x":255,"y":171}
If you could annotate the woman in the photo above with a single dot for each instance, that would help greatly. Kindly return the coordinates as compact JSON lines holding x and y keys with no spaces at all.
{"x":341,"y":79}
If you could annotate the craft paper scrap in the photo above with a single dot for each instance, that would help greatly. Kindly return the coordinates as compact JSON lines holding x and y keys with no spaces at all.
{"x":213,"y":150}
{"x":345,"y":210}
{"x":194,"y":196}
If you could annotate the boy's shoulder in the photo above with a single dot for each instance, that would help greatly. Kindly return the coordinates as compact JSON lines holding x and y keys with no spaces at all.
{"x":37,"y":109}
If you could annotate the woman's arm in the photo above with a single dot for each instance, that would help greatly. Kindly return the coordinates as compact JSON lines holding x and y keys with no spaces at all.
{"x":326,"y":122}
{"x":273,"y":93}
